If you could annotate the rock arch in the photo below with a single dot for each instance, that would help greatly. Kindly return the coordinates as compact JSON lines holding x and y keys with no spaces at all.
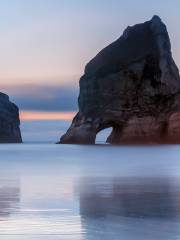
{"x":133,"y":86}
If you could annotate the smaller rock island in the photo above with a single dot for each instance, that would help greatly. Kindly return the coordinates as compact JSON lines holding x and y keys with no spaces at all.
{"x":133,"y":86}
{"x":9,"y":121}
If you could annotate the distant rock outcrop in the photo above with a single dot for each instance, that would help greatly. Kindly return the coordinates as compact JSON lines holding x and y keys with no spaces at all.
{"x":133,"y":86}
{"x":9,"y":121}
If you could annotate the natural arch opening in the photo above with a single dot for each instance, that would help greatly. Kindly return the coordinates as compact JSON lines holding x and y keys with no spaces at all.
{"x":102,"y":136}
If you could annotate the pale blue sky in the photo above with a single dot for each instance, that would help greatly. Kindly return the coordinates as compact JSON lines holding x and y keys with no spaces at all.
{"x":50,"y":41}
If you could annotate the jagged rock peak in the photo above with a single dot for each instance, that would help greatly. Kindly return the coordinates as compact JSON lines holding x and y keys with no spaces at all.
{"x":133,"y":86}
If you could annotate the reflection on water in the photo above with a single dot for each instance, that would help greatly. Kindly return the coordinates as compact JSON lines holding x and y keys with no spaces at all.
{"x":90,"y":208}
{"x":9,"y":197}
{"x":133,"y":208}
{"x":130,"y":197}
{"x":89,"y":192}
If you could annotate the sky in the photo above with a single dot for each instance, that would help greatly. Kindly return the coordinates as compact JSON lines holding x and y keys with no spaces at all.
{"x":45,"y":44}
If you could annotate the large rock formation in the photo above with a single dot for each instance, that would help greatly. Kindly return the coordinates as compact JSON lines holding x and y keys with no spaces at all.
{"x":133,"y":86}
{"x":9,"y":121}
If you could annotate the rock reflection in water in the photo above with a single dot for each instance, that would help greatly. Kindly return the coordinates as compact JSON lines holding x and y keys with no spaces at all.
{"x":130,"y":197}
{"x":9,"y":197}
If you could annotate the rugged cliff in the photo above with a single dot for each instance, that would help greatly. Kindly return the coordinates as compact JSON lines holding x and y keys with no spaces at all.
{"x":9,"y":121}
{"x":133,"y":86}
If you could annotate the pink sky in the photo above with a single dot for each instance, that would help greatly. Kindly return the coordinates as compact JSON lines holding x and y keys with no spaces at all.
{"x":49,"y":42}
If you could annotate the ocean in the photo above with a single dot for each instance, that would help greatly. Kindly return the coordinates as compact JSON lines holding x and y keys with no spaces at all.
{"x":77,"y":192}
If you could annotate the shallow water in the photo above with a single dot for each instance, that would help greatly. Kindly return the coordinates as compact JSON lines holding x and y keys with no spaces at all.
{"x":50,"y":191}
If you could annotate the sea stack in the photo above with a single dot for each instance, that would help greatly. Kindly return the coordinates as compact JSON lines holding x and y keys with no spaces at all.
{"x":133,"y":86}
{"x":9,"y":121}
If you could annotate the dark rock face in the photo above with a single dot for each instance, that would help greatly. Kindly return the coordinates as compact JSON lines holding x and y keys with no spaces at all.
{"x":9,"y":121}
{"x":133,"y":86}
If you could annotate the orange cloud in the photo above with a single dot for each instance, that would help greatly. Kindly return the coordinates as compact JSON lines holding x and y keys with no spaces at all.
{"x":35,"y":115}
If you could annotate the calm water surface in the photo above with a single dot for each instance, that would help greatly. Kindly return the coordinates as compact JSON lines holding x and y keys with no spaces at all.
{"x":50,"y":191}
